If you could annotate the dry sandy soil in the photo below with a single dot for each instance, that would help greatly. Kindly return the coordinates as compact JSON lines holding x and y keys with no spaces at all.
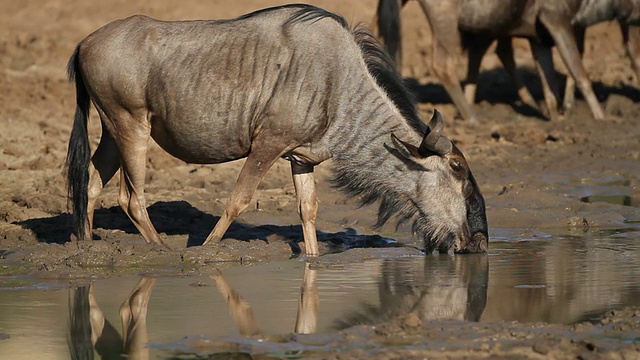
{"x":528,"y":169}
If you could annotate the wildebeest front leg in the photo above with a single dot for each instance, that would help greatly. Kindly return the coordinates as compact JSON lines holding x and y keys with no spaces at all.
{"x":308,"y":303}
{"x":307,"y":205}
{"x":477,"y":47}
{"x":566,"y":44}
{"x":260,"y":159}
{"x":239,"y":308}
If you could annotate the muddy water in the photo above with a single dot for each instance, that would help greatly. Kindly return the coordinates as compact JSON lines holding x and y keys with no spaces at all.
{"x":526,"y":276}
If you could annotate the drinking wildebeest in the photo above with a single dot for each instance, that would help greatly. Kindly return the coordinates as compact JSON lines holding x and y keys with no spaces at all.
{"x":546,"y":23}
{"x":289,"y":82}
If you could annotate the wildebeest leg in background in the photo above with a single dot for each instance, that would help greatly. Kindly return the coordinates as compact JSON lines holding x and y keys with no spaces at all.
{"x":239,"y":308}
{"x":631,"y":40}
{"x":133,"y":313}
{"x":104,"y":164}
{"x":548,"y":79}
{"x":264,"y":153}
{"x":387,"y":24}
{"x":307,"y":317}
{"x":565,"y":42}
{"x":570,"y":86}
{"x":476,"y":47}
{"x":307,"y":205}
{"x":505,"y":53}
{"x":443,"y":18}
{"x":133,"y":156}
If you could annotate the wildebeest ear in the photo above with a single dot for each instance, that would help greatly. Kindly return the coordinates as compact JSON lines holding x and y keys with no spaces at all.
{"x":407,"y":150}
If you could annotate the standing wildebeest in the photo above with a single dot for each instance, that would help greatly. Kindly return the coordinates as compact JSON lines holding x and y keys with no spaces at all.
{"x":546,"y":23}
{"x":289,"y":82}
{"x":626,"y":13}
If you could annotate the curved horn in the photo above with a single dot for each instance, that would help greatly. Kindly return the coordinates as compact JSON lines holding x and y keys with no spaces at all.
{"x":433,"y":141}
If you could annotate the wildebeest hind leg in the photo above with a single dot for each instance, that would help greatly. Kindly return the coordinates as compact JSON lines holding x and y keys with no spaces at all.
{"x":260,"y":159}
{"x":133,"y":314}
{"x":631,"y":39}
{"x":446,"y":47}
{"x":477,"y":47}
{"x":307,"y":205}
{"x":504,"y":50}
{"x":104,"y":164}
{"x":544,"y":66}
{"x":568,"y":49}
{"x":570,"y":85}
{"x":133,"y":155}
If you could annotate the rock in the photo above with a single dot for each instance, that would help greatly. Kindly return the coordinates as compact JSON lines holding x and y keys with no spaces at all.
{"x":411,"y":320}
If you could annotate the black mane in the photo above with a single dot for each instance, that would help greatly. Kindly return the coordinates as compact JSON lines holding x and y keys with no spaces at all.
{"x":382,"y":68}
{"x":379,"y":63}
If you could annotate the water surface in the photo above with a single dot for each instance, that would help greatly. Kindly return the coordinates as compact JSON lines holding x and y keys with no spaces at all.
{"x":562,"y":279}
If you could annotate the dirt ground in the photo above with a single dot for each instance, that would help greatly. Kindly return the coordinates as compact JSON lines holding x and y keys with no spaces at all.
{"x":530,"y":171}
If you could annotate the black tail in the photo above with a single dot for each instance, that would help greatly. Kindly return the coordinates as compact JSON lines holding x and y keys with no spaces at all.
{"x":389,"y":26}
{"x":79,"y":337}
{"x":79,"y":154}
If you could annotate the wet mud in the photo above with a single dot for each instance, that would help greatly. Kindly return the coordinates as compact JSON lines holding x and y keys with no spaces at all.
{"x":542,"y":181}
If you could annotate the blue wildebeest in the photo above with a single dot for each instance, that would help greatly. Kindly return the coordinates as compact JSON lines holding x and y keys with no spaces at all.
{"x":626,"y":13}
{"x":291,"y":82}
{"x":546,"y":23}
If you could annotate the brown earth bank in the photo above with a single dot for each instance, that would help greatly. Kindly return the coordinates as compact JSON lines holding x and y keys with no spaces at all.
{"x":531,"y":172}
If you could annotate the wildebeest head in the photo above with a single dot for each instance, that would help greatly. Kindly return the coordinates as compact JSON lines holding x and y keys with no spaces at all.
{"x":450,"y":208}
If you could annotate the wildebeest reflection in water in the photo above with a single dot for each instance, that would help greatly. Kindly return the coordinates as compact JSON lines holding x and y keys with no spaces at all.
{"x":89,"y":329}
{"x":242,"y":314}
{"x":445,"y":288}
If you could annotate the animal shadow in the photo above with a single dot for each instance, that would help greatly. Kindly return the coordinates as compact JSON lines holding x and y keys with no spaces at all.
{"x":181,"y":218}
{"x":496,"y":87}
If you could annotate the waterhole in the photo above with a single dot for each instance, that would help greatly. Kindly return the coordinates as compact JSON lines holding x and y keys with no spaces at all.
{"x":561,"y":279}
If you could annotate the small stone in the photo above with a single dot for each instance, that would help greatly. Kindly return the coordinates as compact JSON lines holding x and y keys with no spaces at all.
{"x":411,"y":320}
{"x":541,"y":348}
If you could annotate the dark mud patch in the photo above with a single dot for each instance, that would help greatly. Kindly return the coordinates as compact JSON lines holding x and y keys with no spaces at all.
{"x":128,"y":253}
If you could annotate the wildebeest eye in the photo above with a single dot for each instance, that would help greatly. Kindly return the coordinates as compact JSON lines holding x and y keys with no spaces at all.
{"x":457,"y":167}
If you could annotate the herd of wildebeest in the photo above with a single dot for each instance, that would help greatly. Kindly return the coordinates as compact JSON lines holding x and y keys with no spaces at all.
{"x":297,"y":82}
{"x":476,"y":24}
